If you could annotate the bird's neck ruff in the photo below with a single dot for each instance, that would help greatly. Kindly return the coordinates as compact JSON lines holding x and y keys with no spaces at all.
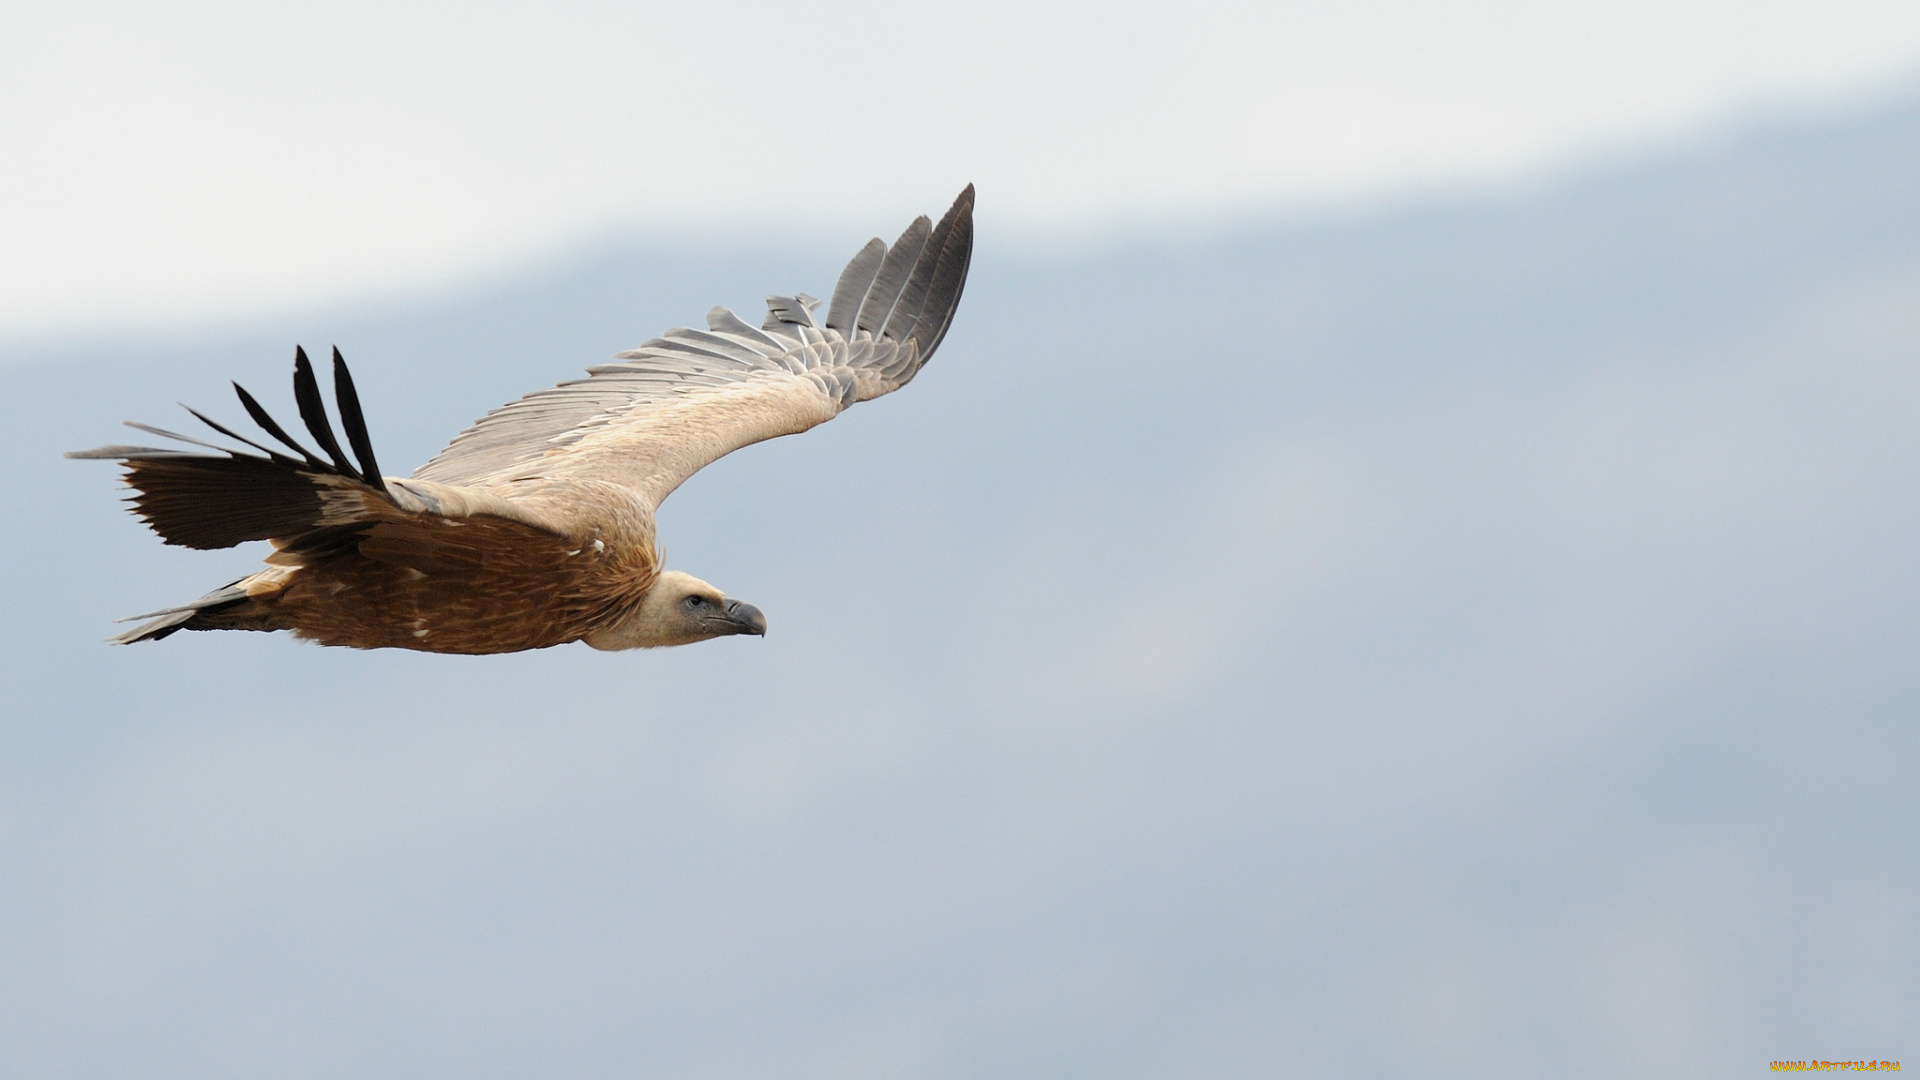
{"x":658,"y":619}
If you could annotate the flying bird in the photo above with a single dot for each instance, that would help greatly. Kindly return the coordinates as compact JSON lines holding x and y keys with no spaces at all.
{"x":535,"y":526}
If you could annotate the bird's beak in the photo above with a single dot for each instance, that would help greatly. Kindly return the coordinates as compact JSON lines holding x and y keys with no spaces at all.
{"x":744,"y":618}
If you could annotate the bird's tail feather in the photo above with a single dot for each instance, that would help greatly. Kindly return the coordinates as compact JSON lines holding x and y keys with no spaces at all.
{"x":169,"y":620}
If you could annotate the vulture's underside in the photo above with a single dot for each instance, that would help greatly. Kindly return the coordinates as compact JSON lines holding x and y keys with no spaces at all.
{"x":535,"y":526}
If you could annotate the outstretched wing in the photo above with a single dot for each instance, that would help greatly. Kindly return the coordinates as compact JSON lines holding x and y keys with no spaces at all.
{"x":682,"y":401}
{"x":308,"y":506}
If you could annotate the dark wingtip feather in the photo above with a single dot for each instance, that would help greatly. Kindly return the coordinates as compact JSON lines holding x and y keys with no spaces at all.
{"x":313,"y":409}
{"x":950,"y":273}
{"x":118,"y":452}
{"x":272,"y":427}
{"x":932,"y":288}
{"x":355,"y":422}
{"x":271,"y":453}
{"x":877,"y":309}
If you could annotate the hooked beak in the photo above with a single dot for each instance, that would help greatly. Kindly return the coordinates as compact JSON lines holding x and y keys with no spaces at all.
{"x":744,"y":618}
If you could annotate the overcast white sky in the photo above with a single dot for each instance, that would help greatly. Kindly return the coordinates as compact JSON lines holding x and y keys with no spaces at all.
{"x":168,"y":163}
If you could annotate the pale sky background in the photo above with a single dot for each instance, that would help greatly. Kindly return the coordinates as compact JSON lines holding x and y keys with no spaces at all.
{"x":168,"y":164}
{"x":1391,"y":633}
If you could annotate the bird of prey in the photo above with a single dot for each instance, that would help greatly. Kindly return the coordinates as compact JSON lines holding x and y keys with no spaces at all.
{"x":535,"y":526}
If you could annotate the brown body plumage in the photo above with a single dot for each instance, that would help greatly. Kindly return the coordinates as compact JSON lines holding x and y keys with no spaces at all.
{"x":481,"y":584}
{"x":536,"y":526}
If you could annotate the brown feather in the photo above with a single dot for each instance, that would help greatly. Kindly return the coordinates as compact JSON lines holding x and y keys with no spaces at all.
{"x":476,"y":585}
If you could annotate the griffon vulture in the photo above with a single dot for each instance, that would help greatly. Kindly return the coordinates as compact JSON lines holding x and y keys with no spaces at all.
{"x":535,"y":527}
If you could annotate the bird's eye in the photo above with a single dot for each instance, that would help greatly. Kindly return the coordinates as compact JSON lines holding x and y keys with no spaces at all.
{"x":695,"y":601}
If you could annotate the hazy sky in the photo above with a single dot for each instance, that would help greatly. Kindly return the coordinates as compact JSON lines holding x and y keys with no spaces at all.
{"x":1460,"y":644}
{"x":174,"y":162}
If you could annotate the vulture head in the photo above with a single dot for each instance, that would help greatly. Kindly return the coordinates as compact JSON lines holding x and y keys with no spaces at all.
{"x":680,"y":609}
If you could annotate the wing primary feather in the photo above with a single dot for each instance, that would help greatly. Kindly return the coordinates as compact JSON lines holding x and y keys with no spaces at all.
{"x":313,"y":410}
{"x":911,"y":308}
{"x":165,"y":434}
{"x":129,"y":453}
{"x":878,"y":306}
{"x":949,"y":273}
{"x":355,"y":423}
{"x":855,"y":280}
{"x":271,"y":453}
{"x":272,"y":428}
{"x":900,"y":322}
